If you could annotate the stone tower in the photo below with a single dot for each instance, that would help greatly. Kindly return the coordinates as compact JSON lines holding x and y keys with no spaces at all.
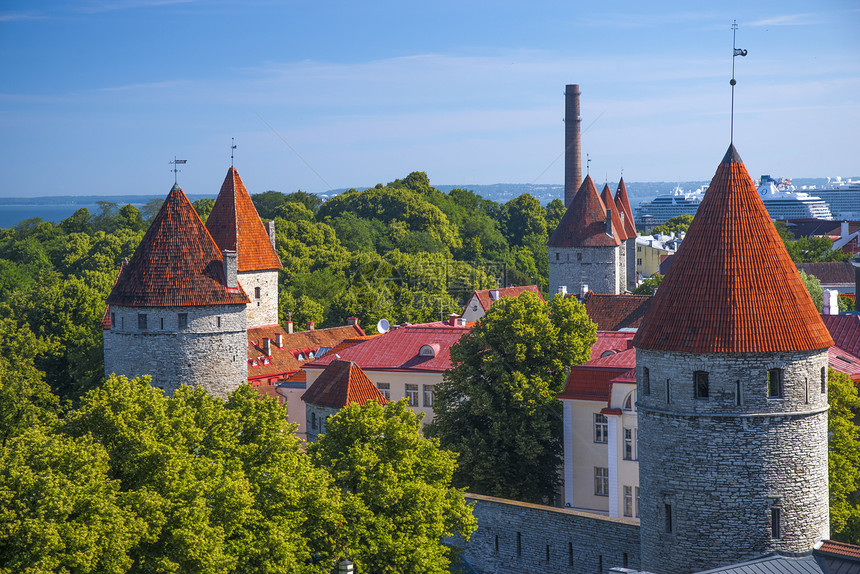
{"x":622,"y":204}
{"x":176,"y":311}
{"x":236,"y":226}
{"x":585,"y":248}
{"x":732,"y":394}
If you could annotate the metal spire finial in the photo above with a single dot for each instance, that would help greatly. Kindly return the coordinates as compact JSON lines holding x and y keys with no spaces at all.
{"x":175,"y":170}
{"x":735,"y":52}
{"x":587,"y":164}
{"x":232,"y":147}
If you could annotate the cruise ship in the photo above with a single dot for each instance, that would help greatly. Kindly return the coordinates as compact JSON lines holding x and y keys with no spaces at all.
{"x":842,"y":196}
{"x":779,"y":196}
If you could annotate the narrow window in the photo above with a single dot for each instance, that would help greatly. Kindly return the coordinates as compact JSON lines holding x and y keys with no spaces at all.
{"x":556,"y":255}
{"x":579,"y":256}
{"x":141,"y":321}
{"x":806,"y":390}
{"x":739,"y":396}
{"x":668,"y":512}
{"x":314,"y":421}
{"x":700,"y":385}
{"x":628,"y":501}
{"x":547,"y":552}
{"x":775,"y":515}
{"x":601,"y":481}
{"x":624,"y":560}
{"x":600,"y":563}
{"x":218,"y":321}
{"x":570,"y":553}
{"x":412,"y":395}
{"x":497,"y":542}
{"x":257,"y":292}
{"x":668,"y":396}
{"x":823,"y":380}
{"x":519,"y":544}
{"x":774,"y":383}
{"x":428,"y":395}
{"x":113,"y":320}
{"x":122,"y":322}
{"x":629,"y":445}
{"x":646,"y":381}
{"x":183,"y":320}
{"x":601,"y":428}
{"x":385,"y":389}
{"x":162,"y":324}
{"x":637,"y":501}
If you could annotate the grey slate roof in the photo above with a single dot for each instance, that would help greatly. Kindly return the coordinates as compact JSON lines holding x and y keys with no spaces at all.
{"x":773,"y":564}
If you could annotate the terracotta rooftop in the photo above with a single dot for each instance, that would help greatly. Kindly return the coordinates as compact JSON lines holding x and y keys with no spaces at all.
{"x":615,"y":312}
{"x":845,"y":330}
{"x":840,"y":549}
{"x":617,"y":223}
{"x":295,"y":349}
{"x":732,"y":287}
{"x":591,"y":381}
{"x":236,"y":226}
{"x":398,"y":349}
{"x":622,"y":202}
{"x":340,"y":384}
{"x":487,"y":302}
{"x":609,"y":342}
{"x":830,"y":272}
{"x":584,"y":222}
{"x":176,"y":264}
{"x":844,"y":362}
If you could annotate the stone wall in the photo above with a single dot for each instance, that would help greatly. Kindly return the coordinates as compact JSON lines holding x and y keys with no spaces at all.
{"x":210,"y":350}
{"x":262,"y":310}
{"x":520,"y":538}
{"x":631,"y":263}
{"x":317,"y":416}
{"x":601,"y":268}
{"x":715,"y":473}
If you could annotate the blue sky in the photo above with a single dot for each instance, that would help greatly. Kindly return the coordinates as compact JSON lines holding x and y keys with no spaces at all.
{"x":97,"y":96}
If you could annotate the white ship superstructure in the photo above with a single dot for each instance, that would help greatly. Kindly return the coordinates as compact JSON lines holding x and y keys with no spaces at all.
{"x":784,"y":202}
{"x":842,"y":196}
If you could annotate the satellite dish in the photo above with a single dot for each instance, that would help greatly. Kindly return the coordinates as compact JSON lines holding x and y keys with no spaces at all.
{"x":382,"y":326}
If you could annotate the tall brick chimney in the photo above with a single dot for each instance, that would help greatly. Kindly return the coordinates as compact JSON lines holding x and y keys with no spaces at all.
{"x":572,"y":143}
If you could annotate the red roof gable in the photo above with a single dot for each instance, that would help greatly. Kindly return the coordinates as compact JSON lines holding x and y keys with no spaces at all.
{"x":584,"y":222}
{"x":610,"y":341}
{"x":398,"y":349}
{"x":606,"y":197}
{"x":732,"y":287}
{"x":236,"y":226}
{"x":340,"y":384}
{"x":487,"y":302}
{"x":614,"y":312}
{"x":845,"y":330}
{"x":623,"y":203}
{"x":285,"y":359}
{"x":592,"y":381}
{"x":176,"y":264}
{"x":844,"y":362}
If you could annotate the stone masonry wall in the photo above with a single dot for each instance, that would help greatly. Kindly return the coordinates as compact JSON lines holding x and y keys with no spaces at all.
{"x":720,"y":468}
{"x":631,"y":264}
{"x":598,"y":267}
{"x":211,"y":351}
{"x":317,"y":414}
{"x":262,"y":310}
{"x":520,"y":538}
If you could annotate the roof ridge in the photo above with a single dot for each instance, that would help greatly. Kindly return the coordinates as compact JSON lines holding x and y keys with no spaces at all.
{"x":584,"y":222}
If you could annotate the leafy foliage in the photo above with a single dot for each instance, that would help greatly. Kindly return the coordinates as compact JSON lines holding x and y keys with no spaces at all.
{"x":844,"y":457}
{"x":649,"y":286}
{"x":677,"y":224}
{"x":813,"y":286}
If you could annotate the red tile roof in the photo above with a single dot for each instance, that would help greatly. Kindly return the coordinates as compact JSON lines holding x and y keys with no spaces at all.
{"x":176,"y":264}
{"x":838,"y":548}
{"x":285,"y":360}
{"x":398,"y":349}
{"x":845,"y":330}
{"x":623,"y":202}
{"x":584,"y":222}
{"x":611,"y":341}
{"x":487,"y":302}
{"x":606,"y":197}
{"x":614,"y":312}
{"x":592,"y":381}
{"x":340,"y":384}
{"x":844,"y":362}
{"x":732,"y":287}
{"x":830,"y":272}
{"x":236,"y":226}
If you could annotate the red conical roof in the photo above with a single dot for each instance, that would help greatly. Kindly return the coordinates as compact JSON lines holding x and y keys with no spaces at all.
{"x":342,"y":383}
{"x":732,"y":287}
{"x":584,"y":222}
{"x":236,"y":226}
{"x":176,"y":264}
{"x":622,"y":202}
{"x":606,"y":197}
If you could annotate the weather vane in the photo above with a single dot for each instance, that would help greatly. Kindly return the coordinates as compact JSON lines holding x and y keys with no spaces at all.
{"x":587,"y":164}
{"x":232,"y":147}
{"x":735,"y":52}
{"x":175,"y":163}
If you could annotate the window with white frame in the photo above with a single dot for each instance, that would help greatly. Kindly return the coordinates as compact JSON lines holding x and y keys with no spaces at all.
{"x":601,"y":481}
{"x":629,"y":444}
{"x":385,"y":389}
{"x":628,"y":500}
{"x":412,"y":395}
{"x":601,"y":428}
{"x":428,"y":395}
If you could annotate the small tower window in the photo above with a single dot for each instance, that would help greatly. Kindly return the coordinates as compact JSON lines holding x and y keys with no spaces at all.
{"x":113,"y":320}
{"x":556,"y":255}
{"x":314,"y":421}
{"x":646,"y":381}
{"x":823,"y":380}
{"x":774,"y":383}
{"x":700,"y":385}
{"x":218,"y":321}
{"x":668,"y":518}
{"x":739,"y":393}
{"x":579,"y":256}
{"x":668,"y":392}
{"x":775,"y":522}
{"x":257,"y":292}
{"x":161,"y":323}
{"x":141,"y":321}
{"x":183,"y":320}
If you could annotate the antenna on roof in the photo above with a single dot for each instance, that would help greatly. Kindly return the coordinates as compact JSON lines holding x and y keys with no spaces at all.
{"x":232,"y":147}
{"x":735,"y":52}
{"x":175,"y":170}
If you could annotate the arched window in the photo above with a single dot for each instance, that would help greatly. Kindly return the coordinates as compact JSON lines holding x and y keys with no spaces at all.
{"x":428,"y":350}
{"x":257,"y":292}
{"x":629,"y":403}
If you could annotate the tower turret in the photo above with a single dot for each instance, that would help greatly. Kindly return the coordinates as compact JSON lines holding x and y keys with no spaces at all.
{"x":732,"y":401}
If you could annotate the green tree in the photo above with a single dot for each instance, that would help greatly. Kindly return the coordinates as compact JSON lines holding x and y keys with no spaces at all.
{"x":813,"y":286}
{"x":649,"y":286}
{"x":396,"y":486}
{"x":203,"y":207}
{"x":675,"y":225}
{"x":844,"y":457}
{"x":524,"y":217}
{"x":497,"y":404}
{"x":554,"y":212}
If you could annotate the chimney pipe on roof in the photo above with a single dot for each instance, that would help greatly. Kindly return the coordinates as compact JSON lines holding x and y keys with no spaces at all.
{"x":572,"y":143}
{"x":583,"y":290}
{"x":831,"y":302}
{"x":352,"y":321}
{"x":460,"y":322}
{"x":494,"y":294}
{"x":562,"y":290}
{"x":267,"y":346}
{"x":310,"y":325}
{"x":843,"y":230}
{"x":609,"y":222}
{"x":270,"y":229}
{"x":289,"y":327}
{"x":279,"y":339}
{"x":231,"y":269}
